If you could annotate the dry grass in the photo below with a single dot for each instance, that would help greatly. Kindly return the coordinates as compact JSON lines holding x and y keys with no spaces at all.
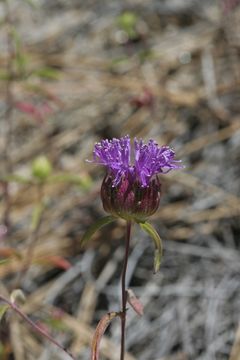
{"x":192,"y":306}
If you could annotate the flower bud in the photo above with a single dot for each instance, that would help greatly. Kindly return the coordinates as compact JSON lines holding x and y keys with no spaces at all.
{"x":41,"y":168}
{"x":129,"y":199}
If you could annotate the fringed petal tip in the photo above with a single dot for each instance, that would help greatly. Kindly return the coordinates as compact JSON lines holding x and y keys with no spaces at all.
{"x":149,"y":159}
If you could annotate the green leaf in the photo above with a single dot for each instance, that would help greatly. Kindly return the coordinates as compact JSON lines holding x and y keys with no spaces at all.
{"x":16,"y":178}
{"x":4,"y":261}
{"x":83,"y":181}
{"x":149,"y":229}
{"x":56,"y":324}
{"x":3,"y":309}
{"x":20,"y":58}
{"x":95,"y":227}
{"x":47,"y":73}
{"x":21,"y":62}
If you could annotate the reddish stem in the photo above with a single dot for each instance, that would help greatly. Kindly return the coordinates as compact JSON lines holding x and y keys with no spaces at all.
{"x":35,"y":327}
{"x":124,"y":292}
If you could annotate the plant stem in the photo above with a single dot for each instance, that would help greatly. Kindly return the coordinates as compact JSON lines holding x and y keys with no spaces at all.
{"x":124,"y":293}
{"x":34,"y":326}
{"x":33,"y":237}
{"x":8,"y":114}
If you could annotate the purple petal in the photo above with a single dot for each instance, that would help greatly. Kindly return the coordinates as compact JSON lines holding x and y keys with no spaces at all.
{"x":149,"y":159}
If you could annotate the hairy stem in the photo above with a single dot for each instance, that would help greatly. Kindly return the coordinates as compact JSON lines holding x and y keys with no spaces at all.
{"x":124,"y":293}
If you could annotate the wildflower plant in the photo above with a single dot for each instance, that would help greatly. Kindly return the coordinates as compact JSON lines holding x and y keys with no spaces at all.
{"x":130,"y":190}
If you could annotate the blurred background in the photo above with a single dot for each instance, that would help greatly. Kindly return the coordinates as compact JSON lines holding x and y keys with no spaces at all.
{"x":75,"y":72}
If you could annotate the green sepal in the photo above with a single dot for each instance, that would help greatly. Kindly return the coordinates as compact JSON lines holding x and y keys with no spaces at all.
{"x":95,"y":227}
{"x":149,"y":229}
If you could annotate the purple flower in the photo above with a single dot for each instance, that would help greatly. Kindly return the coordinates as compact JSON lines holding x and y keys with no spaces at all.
{"x":132,"y":190}
{"x":115,"y":154}
{"x":149,"y":159}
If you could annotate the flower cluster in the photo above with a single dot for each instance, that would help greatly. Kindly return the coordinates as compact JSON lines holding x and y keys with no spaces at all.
{"x":149,"y":159}
{"x":132,"y":190}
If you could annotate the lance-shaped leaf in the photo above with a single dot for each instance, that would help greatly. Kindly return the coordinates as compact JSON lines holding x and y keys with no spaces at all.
{"x":134,"y":302}
{"x":95,"y":227}
{"x":99,"y":332}
{"x":158,"y":244}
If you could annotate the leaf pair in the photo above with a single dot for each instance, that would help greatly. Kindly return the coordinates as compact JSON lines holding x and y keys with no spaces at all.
{"x":148,"y":228}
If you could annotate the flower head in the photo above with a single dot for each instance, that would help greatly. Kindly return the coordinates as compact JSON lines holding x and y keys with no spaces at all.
{"x":115,"y":155}
{"x":149,"y":159}
{"x":133,"y":189}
